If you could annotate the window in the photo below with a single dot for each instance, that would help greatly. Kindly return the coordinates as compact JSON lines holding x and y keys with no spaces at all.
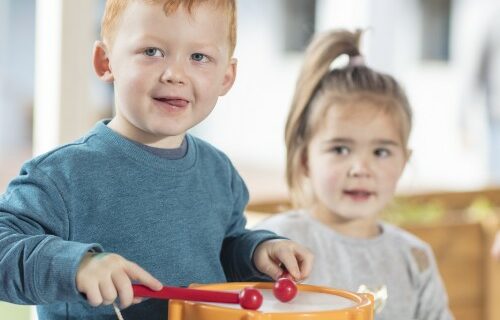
{"x":436,"y":29}
{"x":299,"y":21}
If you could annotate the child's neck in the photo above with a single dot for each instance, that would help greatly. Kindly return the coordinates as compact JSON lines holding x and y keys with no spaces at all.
{"x":356,"y":228}
{"x":129,"y":131}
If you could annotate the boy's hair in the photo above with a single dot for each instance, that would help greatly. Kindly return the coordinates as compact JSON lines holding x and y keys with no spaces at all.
{"x":319,"y":87}
{"x":115,"y":8}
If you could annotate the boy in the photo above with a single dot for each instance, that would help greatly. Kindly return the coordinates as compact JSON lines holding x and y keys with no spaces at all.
{"x":138,"y":189}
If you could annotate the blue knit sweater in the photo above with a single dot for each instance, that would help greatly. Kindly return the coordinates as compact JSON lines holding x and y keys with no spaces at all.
{"x":181,"y":220}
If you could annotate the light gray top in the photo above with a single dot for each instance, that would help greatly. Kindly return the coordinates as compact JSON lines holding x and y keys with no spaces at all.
{"x":395,"y":260}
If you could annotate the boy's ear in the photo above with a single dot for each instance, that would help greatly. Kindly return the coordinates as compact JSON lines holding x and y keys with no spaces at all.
{"x":101,"y":62}
{"x":229,"y":76}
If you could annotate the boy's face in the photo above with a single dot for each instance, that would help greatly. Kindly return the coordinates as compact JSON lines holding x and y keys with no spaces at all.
{"x":168,"y":71}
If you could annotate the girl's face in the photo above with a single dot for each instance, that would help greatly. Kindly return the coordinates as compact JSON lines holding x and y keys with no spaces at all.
{"x":353,"y":163}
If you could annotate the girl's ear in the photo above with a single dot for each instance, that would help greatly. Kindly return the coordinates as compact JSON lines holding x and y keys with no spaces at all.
{"x":101,"y":62}
{"x":409,"y":152}
{"x":304,"y":162}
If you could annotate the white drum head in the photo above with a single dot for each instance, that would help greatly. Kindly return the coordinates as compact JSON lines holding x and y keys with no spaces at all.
{"x":304,"y":302}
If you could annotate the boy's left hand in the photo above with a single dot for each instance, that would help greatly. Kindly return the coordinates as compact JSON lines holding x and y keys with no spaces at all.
{"x":270,"y":255}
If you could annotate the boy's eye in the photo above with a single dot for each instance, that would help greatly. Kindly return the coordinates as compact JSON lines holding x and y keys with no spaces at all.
{"x":199,"y":57}
{"x":153,"y":52}
{"x":340,"y":150}
{"x":382,"y":153}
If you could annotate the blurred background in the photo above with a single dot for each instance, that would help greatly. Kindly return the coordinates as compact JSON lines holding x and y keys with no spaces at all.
{"x":446,"y":53}
{"x":49,"y":94}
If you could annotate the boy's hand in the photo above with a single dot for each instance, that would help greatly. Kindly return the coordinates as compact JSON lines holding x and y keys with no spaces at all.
{"x":269,"y":255}
{"x":103,"y":277}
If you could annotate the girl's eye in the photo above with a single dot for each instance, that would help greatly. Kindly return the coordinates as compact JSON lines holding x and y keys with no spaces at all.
{"x":199,"y":57}
{"x":382,"y":153}
{"x":153,"y":52}
{"x":341,"y":150}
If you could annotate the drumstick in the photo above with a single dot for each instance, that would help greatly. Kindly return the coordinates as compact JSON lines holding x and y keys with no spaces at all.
{"x":285,"y":288}
{"x":248,"y":298}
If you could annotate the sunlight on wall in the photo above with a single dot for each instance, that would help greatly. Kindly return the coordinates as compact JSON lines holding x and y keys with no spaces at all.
{"x":48,"y":75}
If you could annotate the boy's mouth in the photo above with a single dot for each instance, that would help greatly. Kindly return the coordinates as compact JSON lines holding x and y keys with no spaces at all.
{"x":176,"y":102}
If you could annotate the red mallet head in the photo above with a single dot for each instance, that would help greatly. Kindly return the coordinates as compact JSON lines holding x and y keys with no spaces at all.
{"x":250,"y":299}
{"x":285,"y":289}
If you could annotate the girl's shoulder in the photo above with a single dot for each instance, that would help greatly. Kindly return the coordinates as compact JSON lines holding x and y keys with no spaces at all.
{"x":285,"y":220}
{"x":396,"y":233}
{"x":416,"y":249}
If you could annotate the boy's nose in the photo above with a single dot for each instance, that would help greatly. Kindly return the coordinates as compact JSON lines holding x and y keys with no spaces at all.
{"x":174,"y":74}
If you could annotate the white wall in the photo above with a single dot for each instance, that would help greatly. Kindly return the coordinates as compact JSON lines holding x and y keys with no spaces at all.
{"x":248,"y":123}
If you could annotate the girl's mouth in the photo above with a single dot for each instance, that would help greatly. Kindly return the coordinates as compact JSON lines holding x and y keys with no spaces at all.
{"x":358,"y":195}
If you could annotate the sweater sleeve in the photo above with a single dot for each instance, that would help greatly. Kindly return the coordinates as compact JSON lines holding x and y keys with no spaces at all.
{"x":240,"y":243}
{"x":38,"y":263}
{"x":433,"y":300}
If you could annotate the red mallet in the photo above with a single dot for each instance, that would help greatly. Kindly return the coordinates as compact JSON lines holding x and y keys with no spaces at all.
{"x":248,"y":298}
{"x":285,"y":289}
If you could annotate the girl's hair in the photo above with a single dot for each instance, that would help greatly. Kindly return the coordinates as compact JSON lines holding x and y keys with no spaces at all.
{"x":115,"y":8}
{"x":320,"y":87}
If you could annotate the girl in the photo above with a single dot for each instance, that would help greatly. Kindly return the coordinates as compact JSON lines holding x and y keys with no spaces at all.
{"x":346,"y":138}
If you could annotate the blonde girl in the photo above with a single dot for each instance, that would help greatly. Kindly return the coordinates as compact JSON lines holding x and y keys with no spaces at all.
{"x":347,"y":145}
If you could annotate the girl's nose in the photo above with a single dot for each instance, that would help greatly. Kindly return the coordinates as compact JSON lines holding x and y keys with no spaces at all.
{"x":359,"y":168}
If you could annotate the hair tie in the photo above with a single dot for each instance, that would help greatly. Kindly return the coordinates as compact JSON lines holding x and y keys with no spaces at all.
{"x":356,"y":61}
{"x":344,"y":60}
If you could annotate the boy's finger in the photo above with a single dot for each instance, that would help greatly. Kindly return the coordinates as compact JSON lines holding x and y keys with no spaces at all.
{"x":138,"y":274}
{"x":306,"y":262}
{"x":123,"y":287}
{"x":272,"y":269}
{"x":267,"y":266}
{"x":290,"y":262}
{"x":108,"y":292}
{"x":93,"y":295}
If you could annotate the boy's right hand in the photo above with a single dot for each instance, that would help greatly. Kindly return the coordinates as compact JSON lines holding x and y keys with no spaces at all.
{"x":103,"y":277}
